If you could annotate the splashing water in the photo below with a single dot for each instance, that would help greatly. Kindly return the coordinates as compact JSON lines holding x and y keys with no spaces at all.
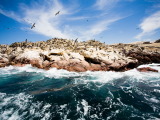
{"x":29,"y":93}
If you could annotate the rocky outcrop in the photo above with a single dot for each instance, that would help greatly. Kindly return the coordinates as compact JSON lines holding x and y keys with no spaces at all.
{"x":144,"y":57}
{"x":157,"y":41}
{"x":147,"y":69}
{"x":74,"y":56}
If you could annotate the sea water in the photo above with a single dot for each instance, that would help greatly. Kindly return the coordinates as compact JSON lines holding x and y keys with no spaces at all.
{"x":28,"y":93}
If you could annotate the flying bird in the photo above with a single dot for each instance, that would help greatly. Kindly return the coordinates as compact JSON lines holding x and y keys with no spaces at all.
{"x":137,"y":29}
{"x":33,"y":25}
{"x":57,"y":13}
{"x":8,"y":28}
{"x":87,"y":20}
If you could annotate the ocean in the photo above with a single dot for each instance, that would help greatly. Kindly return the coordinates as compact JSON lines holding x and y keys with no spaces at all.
{"x":28,"y":93}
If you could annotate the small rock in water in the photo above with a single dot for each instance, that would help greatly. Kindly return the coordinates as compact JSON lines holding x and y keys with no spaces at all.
{"x":147,"y":69}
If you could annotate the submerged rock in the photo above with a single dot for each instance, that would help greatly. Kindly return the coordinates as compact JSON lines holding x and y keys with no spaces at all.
{"x":147,"y":69}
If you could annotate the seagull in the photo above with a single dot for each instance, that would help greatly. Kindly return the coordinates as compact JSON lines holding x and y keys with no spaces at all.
{"x":57,"y":13}
{"x":33,"y":25}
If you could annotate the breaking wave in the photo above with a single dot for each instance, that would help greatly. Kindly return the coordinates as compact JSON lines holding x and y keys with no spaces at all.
{"x":32,"y":93}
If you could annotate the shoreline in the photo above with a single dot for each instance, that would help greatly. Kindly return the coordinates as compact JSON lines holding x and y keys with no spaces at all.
{"x":78,"y":57}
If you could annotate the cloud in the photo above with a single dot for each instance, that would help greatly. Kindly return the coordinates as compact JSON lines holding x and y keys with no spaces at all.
{"x":66,"y":24}
{"x":149,"y":25}
{"x":107,"y":4}
{"x":102,"y":4}
{"x":97,"y":28}
{"x":10,"y":14}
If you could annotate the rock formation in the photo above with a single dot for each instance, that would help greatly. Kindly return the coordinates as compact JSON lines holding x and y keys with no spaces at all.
{"x":77,"y":56}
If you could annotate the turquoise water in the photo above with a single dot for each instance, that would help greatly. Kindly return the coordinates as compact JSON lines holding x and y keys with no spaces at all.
{"x":28,"y":93}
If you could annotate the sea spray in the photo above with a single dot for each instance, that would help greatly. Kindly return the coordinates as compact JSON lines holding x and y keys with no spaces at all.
{"x":86,"y":95}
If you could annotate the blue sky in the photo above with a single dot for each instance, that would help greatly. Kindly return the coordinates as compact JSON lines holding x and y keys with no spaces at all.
{"x":109,"y":21}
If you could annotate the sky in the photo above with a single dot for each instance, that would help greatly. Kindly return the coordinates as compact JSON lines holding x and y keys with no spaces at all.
{"x":109,"y":21}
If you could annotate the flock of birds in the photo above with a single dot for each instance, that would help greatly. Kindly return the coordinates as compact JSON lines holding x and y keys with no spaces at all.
{"x":55,"y":15}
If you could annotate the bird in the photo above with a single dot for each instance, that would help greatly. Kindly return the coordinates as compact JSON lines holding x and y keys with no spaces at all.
{"x":33,"y":25}
{"x":8,"y":28}
{"x":57,"y":13}
{"x":137,"y":29}
{"x":101,"y":37}
{"x":87,"y":20}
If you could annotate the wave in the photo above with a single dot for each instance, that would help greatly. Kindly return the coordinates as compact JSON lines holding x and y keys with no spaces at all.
{"x":90,"y":95}
{"x":98,"y":76}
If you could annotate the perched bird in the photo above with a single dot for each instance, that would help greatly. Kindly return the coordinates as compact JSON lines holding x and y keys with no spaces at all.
{"x":33,"y":25}
{"x":57,"y":13}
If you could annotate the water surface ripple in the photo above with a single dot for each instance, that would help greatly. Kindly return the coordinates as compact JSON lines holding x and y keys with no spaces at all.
{"x":33,"y":94}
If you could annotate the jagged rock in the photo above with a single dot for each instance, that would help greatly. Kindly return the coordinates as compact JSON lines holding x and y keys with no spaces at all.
{"x":147,"y":69}
{"x":45,"y":63}
{"x":157,"y":41}
{"x":76,"y":68}
{"x":36,"y":63}
{"x":147,"y":42}
{"x":88,"y":55}
{"x":2,"y":65}
{"x":4,"y":60}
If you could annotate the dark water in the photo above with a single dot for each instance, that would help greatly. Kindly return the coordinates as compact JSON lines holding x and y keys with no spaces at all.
{"x":29,"y":93}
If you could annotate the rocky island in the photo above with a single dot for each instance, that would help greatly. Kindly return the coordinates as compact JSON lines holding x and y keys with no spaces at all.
{"x":77,"y":56}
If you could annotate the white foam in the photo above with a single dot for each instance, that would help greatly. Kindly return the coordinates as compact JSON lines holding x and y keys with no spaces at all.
{"x":85,"y":106}
{"x":81,"y":78}
{"x":12,"y":104}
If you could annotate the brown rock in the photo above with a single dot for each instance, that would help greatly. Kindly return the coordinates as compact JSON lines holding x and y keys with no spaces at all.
{"x":36,"y":63}
{"x":62,"y":63}
{"x":95,"y":67}
{"x":4,"y":60}
{"x":2,"y":65}
{"x":55,"y":65}
{"x":147,"y":69}
{"x":45,"y":63}
{"x":77,"y":68}
{"x":85,"y":63}
{"x":19,"y":65}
